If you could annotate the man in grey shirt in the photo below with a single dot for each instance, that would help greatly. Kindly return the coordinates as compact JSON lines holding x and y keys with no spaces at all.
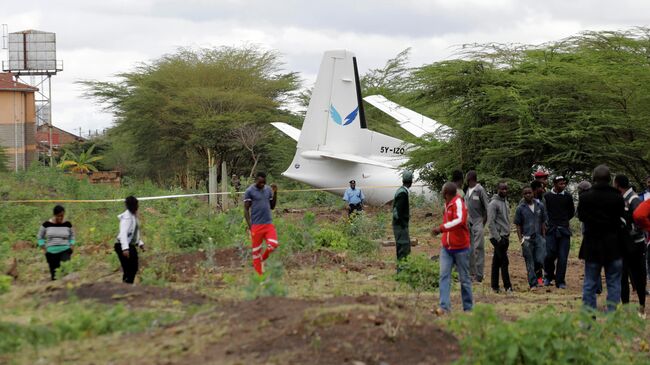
{"x":259,"y":200}
{"x":499,"y":223}
{"x":476,"y":200}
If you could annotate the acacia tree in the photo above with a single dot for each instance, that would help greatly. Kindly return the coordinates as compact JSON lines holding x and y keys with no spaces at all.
{"x":568,"y":105}
{"x":177,"y":112}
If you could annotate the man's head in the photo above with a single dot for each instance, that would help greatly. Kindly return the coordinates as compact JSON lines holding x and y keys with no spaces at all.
{"x":260,"y":179}
{"x":353,"y":184}
{"x":502,"y":189}
{"x":542,"y":176}
{"x":622,"y":183}
{"x":647,"y":183}
{"x":457,"y":178}
{"x":59,"y":214}
{"x":528,"y":194}
{"x":449,"y":191}
{"x":559,"y":183}
{"x":407,"y":178}
{"x":538,"y":189}
{"x":471,"y":177}
{"x":602,"y":175}
{"x":583,"y":186}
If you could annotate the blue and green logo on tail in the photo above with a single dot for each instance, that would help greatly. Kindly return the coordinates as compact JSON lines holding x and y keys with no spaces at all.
{"x":336,"y":117}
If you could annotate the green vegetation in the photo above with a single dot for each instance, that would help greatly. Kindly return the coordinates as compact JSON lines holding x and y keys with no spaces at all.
{"x":82,"y":162}
{"x":419,"y":272}
{"x":568,"y":105}
{"x":75,"y":322}
{"x":549,"y":337}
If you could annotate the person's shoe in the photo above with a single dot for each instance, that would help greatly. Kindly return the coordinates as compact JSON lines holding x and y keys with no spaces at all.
{"x":548,"y":282}
{"x":439,"y":312}
{"x":533,"y":287}
{"x":479,"y":279}
{"x":561,"y":286}
{"x":496,"y":290}
{"x":509,"y":291}
{"x":540,"y":281}
{"x":599,"y":291}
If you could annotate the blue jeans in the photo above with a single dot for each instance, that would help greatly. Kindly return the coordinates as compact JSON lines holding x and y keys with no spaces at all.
{"x":558,"y":244}
{"x":447,"y":261}
{"x":534,"y":252}
{"x":613,"y":271}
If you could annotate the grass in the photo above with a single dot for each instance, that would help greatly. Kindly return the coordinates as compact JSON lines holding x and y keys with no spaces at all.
{"x":31,"y":328}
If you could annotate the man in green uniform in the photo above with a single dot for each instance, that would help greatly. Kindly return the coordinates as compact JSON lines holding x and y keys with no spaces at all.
{"x":401,"y":217}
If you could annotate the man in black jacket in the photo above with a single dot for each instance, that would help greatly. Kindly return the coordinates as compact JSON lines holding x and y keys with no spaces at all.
{"x":601,"y":209}
{"x":634,"y":269}
{"x":401,"y":218}
{"x":560,"y":210}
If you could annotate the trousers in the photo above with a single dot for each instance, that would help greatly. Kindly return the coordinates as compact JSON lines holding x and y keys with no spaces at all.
{"x":477,"y":250}
{"x":558,"y":244}
{"x":54,"y":260}
{"x":634,"y":272}
{"x":500,"y":263}
{"x":129,"y":265}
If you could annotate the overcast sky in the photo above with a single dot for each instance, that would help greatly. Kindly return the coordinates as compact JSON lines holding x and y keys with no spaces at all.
{"x":97,"y":39}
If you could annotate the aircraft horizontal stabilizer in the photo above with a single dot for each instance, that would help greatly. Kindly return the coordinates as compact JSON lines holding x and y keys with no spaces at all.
{"x":344,"y":157}
{"x":413,"y":122}
{"x":290,"y":131}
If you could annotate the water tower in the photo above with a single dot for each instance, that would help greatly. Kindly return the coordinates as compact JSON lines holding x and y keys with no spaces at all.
{"x":32,"y":60}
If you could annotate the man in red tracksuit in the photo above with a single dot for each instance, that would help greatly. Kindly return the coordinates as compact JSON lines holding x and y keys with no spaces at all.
{"x":641,"y":216}
{"x":455,"y":249}
{"x":259,"y":199}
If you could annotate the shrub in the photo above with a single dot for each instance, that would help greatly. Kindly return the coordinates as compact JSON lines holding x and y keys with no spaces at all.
{"x":187,"y":232}
{"x":332,"y":238}
{"x":5,"y":283}
{"x":551,"y":337}
{"x":75,"y":264}
{"x":419,"y":272}
{"x":268,"y":285}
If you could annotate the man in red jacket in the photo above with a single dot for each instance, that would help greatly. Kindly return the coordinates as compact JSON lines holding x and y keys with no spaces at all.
{"x":455,"y":249}
{"x":641,"y":216}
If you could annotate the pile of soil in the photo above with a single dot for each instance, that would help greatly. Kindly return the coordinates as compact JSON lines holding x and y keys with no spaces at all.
{"x":343,"y":330}
{"x":134,"y":295}
{"x":185,"y":267}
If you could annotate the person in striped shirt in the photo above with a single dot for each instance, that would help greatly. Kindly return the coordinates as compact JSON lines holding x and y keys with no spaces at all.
{"x":56,"y":238}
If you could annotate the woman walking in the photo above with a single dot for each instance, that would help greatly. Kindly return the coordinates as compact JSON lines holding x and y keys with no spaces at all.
{"x":56,"y":238}
{"x":128,"y":239}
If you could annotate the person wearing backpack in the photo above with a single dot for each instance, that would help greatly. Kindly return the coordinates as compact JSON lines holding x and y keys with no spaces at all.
{"x":634,"y":268}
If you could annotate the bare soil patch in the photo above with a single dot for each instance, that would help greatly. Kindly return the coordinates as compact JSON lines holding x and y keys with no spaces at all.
{"x":185,"y":267}
{"x":134,"y":295}
{"x":343,"y":330}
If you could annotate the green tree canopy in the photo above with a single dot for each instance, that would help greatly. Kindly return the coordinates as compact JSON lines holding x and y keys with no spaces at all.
{"x":175,"y":116}
{"x":568,"y":105}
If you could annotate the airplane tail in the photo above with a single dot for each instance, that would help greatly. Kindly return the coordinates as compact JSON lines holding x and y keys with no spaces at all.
{"x":335,"y":115}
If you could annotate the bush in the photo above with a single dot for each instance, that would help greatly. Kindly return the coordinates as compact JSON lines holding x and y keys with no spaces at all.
{"x":268,"y":285}
{"x":551,"y":337}
{"x":5,"y":283}
{"x":75,"y":264}
{"x":332,"y":238}
{"x":187,"y":232}
{"x":419,"y":272}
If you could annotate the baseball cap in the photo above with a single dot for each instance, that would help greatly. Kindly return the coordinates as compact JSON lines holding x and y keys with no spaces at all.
{"x":540,"y":173}
{"x":559,"y":178}
{"x":352,"y":182}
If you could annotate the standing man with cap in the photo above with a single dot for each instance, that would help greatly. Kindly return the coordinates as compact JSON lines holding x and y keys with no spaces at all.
{"x":542,"y":176}
{"x":499,"y":223}
{"x":401,"y":217}
{"x":601,"y":209}
{"x":354,"y":197}
{"x":560,"y":210}
{"x":477,"y":202}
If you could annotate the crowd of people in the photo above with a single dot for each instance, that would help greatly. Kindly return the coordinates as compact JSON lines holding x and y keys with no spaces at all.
{"x":615,"y":222}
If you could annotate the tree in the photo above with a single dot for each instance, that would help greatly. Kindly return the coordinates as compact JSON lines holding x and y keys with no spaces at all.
{"x":250,"y":136}
{"x":80,"y":163}
{"x":177,"y":113}
{"x":568,"y":105}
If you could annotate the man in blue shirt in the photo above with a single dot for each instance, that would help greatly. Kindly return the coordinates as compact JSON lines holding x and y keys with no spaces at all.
{"x":530,"y":219}
{"x":354,"y":197}
{"x":259,"y":200}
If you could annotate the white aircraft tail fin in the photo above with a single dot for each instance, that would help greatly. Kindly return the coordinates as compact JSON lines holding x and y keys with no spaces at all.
{"x":335,"y":115}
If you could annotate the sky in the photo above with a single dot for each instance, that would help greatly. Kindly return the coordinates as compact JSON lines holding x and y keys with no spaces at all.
{"x":98,"y":39}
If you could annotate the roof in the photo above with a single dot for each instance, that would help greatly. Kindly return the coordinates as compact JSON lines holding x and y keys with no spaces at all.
{"x":7,"y":83}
